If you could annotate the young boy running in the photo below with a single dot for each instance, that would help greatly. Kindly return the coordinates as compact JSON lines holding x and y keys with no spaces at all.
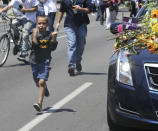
{"x":42,"y":44}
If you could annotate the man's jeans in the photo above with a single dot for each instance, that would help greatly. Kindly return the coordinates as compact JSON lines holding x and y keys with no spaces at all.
{"x":113,"y":16}
{"x":40,"y":11}
{"x":76,"y":38}
{"x":51,"y":18}
{"x":26,"y":29}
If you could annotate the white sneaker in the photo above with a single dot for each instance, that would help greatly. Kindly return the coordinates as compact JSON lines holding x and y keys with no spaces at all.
{"x":107,"y":28}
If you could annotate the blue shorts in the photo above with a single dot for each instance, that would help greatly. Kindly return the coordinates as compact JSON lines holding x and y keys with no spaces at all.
{"x":41,"y":70}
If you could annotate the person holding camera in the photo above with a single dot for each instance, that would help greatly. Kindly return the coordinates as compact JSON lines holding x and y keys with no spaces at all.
{"x":26,"y":11}
{"x":75,"y":24}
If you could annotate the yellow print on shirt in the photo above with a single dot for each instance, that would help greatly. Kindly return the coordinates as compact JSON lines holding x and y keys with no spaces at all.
{"x":43,"y":43}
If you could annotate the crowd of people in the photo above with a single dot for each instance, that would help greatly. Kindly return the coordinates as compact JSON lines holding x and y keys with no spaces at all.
{"x":40,"y":15}
{"x":107,"y":10}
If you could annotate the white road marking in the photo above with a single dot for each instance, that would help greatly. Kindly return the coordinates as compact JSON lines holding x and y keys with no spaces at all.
{"x":58,"y":105}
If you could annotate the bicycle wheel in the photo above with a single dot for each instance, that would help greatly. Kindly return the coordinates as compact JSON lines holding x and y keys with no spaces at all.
{"x":4,"y":49}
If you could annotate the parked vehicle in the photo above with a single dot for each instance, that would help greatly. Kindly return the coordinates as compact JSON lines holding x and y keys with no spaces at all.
{"x":132,"y":98}
{"x":133,"y":90}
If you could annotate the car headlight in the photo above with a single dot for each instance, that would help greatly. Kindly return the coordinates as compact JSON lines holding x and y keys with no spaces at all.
{"x":123,"y":69}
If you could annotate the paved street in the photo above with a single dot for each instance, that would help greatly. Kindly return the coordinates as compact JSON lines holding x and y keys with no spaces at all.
{"x":75,"y":103}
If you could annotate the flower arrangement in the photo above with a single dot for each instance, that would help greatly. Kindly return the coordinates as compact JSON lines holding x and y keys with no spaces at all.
{"x":144,"y":38}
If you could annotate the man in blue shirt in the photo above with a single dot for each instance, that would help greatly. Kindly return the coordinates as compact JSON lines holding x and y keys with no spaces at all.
{"x":76,"y":30}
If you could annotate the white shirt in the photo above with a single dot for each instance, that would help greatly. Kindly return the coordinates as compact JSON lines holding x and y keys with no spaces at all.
{"x":50,"y":6}
{"x":26,"y":4}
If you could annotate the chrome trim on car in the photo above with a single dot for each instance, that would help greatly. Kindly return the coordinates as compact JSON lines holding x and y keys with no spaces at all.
{"x":126,"y":110}
{"x":150,"y":76}
{"x":156,"y":113}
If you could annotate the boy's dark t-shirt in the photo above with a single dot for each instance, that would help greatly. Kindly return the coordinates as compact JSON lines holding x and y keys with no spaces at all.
{"x":42,"y":51}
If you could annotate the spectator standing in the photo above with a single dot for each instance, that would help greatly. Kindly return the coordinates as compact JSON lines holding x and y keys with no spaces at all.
{"x":103,"y":4}
{"x":40,"y":57}
{"x":50,"y":8}
{"x":98,"y":10}
{"x":108,"y":17}
{"x":93,"y":7}
{"x":76,"y":30}
{"x":111,"y":12}
{"x":134,"y":8}
{"x":27,"y":18}
{"x":5,"y":3}
{"x":114,"y":7}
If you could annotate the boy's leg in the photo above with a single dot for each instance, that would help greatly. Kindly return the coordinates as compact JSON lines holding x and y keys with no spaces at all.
{"x":42,"y":86}
{"x":40,"y":74}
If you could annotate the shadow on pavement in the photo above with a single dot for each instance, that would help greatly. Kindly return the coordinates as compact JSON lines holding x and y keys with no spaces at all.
{"x":15,"y":65}
{"x":51,"y":110}
{"x":90,"y":73}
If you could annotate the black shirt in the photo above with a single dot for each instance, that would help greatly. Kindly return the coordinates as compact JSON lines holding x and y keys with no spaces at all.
{"x":42,"y":51}
{"x":75,"y":19}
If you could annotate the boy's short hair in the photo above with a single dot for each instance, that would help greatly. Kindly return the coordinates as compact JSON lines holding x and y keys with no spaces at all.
{"x":43,"y":16}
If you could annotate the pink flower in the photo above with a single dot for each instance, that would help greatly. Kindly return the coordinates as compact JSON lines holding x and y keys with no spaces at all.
{"x":119,"y":29}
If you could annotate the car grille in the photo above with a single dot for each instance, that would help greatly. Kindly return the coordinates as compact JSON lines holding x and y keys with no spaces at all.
{"x":152,"y":75}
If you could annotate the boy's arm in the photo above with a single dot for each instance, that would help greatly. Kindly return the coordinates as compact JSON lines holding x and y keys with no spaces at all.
{"x":54,"y":37}
{"x":53,"y":41}
{"x":34,"y":40}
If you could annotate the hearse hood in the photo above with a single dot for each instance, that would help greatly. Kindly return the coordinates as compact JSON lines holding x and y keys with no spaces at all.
{"x":143,"y":56}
